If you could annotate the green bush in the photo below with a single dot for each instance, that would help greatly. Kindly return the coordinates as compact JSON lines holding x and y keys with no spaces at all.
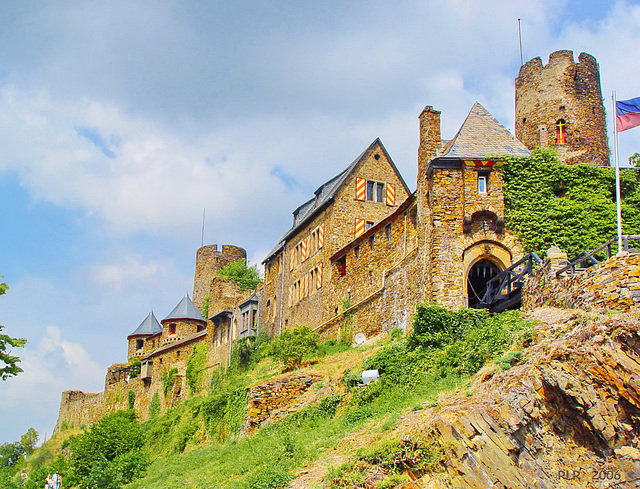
{"x":168,"y":380}
{"x":244,"y":276}
{"x":109,"y":454}
{"x":131,"y":398}
{"x":154,"y":405}
{"x":196,"y":364}
{"x":295,"y":345}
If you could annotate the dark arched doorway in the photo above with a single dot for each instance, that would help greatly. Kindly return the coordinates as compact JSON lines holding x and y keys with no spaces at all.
{"x":479,"y":274}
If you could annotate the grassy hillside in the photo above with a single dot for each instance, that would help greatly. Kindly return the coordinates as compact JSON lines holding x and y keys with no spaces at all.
{"x":341,"y":427}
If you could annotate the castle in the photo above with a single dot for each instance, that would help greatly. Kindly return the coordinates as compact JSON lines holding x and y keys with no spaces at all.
{"x":364,"y":250}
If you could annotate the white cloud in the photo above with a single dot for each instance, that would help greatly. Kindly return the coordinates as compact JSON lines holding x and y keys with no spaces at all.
{"x":50,"y":367}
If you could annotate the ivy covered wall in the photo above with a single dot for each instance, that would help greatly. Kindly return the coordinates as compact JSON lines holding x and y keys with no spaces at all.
{"x":571,"y":206}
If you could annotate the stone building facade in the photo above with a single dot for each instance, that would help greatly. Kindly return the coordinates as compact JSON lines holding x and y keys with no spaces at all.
{"x":364,"y":250}
{"x":560,"y":105}
{"x":298,"y":269}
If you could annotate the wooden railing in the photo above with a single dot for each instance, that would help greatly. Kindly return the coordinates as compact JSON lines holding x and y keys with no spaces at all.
{"x":581,"y":261}
{"x":505,"y":284}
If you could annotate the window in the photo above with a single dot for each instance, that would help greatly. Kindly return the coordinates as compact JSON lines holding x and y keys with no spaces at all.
{"x":370,"y":186}
{"x":356,"y":251}
{"x":371,"y":240}
{"x":379,"y":191}
{"x":561,"y":132}
{"x":387,"y":231}
{"x":172,"y":328}
{"x":368,"y":225}
{"x":341,"y":265}
{"x":482,"y":184}
{"x":139,"y":344}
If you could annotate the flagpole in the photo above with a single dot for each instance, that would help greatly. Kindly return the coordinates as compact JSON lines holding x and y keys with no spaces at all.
{"x":615,"y":152}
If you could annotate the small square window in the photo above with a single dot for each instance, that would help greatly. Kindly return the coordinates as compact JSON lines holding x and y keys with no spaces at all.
{"x":379,"y":191}
{"x":368,"y":225}
{"x":356,"y":251}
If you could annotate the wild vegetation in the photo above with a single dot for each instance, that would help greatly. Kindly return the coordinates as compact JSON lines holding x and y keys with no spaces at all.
{"x":573,"y":207}
{"x":196,"y":444}
{"x":8,"y":363}
{"x":245,"y":276}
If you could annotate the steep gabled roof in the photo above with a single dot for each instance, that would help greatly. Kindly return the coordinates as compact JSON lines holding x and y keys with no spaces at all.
{"x":325,"y":194}
{"x":149,"y":327}
{"x":481,"y":137}
{"x":185,"y":309}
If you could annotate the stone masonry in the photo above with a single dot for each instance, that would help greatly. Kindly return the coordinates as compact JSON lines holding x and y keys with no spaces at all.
{"x":568,"y":93}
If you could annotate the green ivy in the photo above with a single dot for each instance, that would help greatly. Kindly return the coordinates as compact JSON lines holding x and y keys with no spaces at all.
{"x":574,"y":207}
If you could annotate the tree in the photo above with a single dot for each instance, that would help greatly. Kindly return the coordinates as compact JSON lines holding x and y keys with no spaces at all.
{"x":10,"y":362}
{"x":634,"y":160}
{"x":109,"y":454}
{"x":244,"y":276}
{"x":293,"y":345}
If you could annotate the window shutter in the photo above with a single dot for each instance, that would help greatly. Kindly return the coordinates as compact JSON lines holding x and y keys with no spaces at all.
{"x":361,"y":189}
{"x":304,"y":248}
{"x":321,"y":236}
{"x":319,"y":277}
{"x":391,"y":194}
{"x":359,"y":227}
{"x":292,"y":260}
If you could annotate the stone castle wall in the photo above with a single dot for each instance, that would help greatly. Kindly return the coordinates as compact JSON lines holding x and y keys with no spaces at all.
{"x":271,"y":400}
{"x":613,"y":285}
{"x":208,"y":261}
{"x":565,"y":90}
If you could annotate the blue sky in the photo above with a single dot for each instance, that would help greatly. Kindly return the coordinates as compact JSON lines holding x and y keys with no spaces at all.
{"x":121,"y":121}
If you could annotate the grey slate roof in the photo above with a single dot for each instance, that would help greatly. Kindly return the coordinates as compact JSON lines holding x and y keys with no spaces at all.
{"x":185,"y":309}
{"x":480,"y":137}
{"x":323,"y":195}
{"x":149,"y":327}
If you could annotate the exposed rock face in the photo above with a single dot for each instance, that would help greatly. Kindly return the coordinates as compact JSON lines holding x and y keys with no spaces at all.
{"x":569,"y":416}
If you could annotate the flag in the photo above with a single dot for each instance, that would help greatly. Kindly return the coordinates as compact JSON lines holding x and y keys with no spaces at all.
{"x":627,"y":114}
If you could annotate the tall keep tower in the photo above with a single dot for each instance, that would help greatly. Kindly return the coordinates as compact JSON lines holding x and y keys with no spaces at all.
{"x":560,"y":105}
{"x":208,"y":261}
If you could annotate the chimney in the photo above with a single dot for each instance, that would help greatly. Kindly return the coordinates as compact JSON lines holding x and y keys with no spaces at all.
{"x":429,"y":138}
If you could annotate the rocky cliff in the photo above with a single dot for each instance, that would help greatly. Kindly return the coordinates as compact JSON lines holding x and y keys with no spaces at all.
{"x":567,"y":416}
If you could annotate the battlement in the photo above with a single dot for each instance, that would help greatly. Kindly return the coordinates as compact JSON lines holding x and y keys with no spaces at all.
{"x":557,"y":60}
{"x":560,"y":105}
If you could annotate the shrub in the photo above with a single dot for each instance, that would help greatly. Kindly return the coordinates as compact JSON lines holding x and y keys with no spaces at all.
{"x":244,"y":276}
{"x":131,"y":398}
{"x":109,"y":454}
{"x":294,"y":345}
{"x":196,"y":363}
{"x":154,"y":405}
{"x":168,"y":380}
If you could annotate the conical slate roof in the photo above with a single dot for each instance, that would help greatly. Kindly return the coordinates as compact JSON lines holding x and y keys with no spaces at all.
{"x":149,"y":327}
{"x":482,"y":137}
{"x":185,"y":309}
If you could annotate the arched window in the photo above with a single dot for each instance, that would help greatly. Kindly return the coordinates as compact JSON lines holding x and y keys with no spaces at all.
{"x":561,"y":132}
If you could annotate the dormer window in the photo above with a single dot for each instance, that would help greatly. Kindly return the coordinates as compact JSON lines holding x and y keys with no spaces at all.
{"x":561,"y":132}
{"x":139,"y":344}
{"x":172,"y":328}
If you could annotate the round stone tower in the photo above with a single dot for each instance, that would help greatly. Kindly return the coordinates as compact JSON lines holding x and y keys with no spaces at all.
{"x":208,"y":261}
{"x":560,"y":105}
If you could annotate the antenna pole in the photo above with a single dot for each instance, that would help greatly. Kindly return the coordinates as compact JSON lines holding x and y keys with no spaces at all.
{"x":520,"y":39}
{"x":202,"y":239}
